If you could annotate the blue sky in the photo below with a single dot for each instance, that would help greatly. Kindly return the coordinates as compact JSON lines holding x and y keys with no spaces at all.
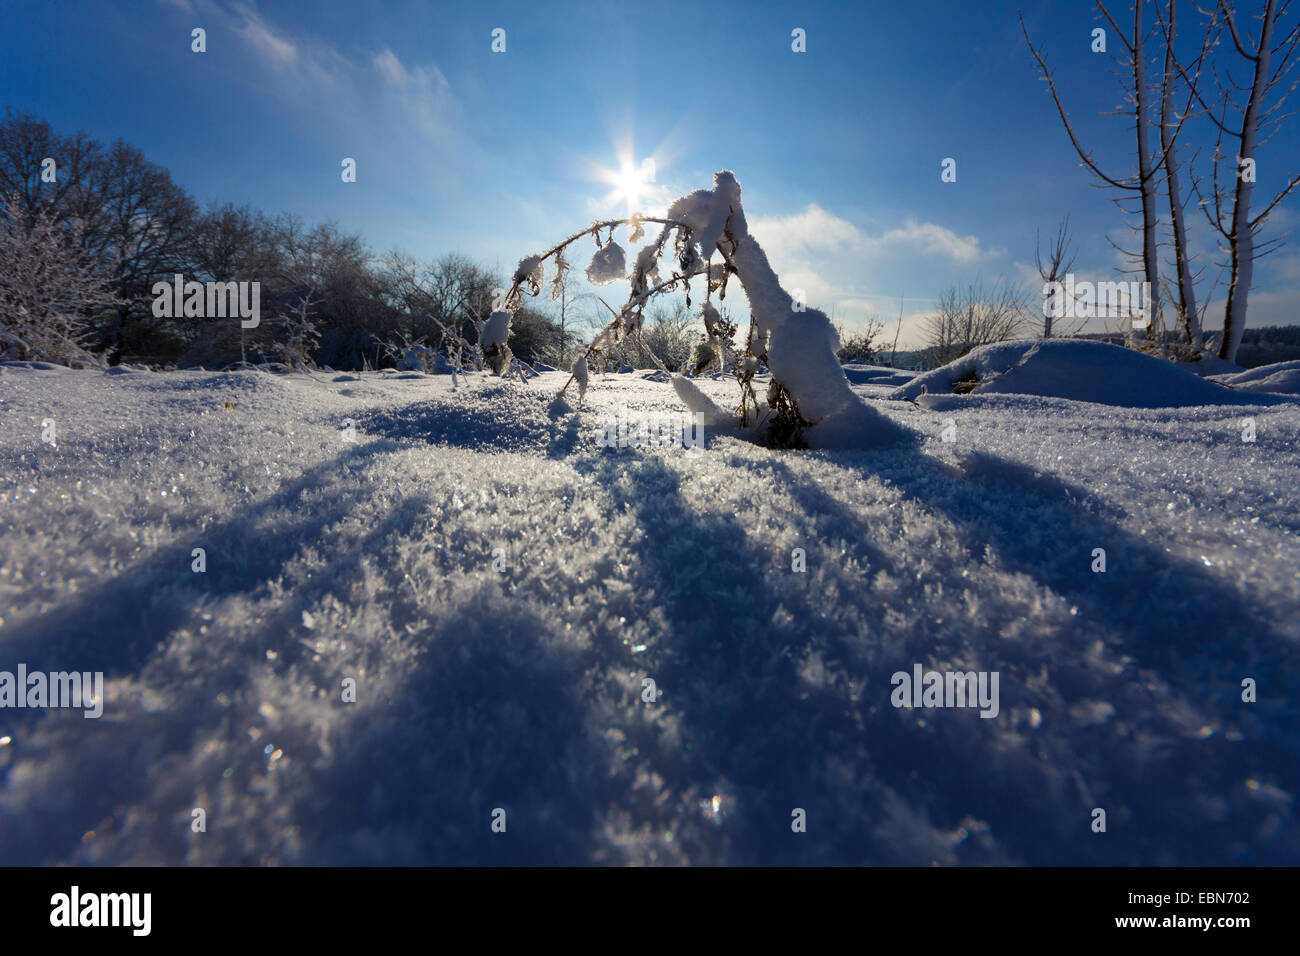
{"x":497,"y":155}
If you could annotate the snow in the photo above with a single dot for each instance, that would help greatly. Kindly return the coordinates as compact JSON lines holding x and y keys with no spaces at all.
{"x":699,"y":403}
{"x":608,"y":264}
{"x":329,"y":559}
{"x":580,"y":375}
{"x":647,"y":267}
{"x":1076,"y":369}
{"x":1280,"y":378}
{"x":706,"y":211}
{"x":529,"y":272}
{"x":861,"y":373}
{"x":495,"y":331}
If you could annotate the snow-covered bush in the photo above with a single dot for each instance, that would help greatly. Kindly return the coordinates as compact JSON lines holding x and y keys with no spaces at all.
{"x":298,"y":336}
{"x":411,"y":355}
{"x":809,"y":400}
{"x":859,"y":346}
{"x":48,"y":287}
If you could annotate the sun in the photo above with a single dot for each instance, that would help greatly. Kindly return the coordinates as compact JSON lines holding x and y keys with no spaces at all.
{"x":631,"y":183}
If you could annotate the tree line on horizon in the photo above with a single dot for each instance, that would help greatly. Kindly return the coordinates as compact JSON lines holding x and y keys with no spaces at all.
{"x":88,"y":228}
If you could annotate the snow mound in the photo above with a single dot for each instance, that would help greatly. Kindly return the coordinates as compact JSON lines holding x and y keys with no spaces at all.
{"x":863,"y":374}
{"x":36,"y":366}
{"x":706,"y":211}
{"x":1077,"y":370}
{"x":1280,"y":378}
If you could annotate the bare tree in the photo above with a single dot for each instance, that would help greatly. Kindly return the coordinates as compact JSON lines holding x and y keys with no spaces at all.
{"x":146,"y":222}
{"x":233,"y":242}
{"x":66,"y":191}
{"x":1256,"y":122}
{"x":1188,"y":318}
{"x":1143,"y":183}
{"x":128,"y":214}
{"x":670,"y":334}
{"x":299,"y":337}
{"x":1053,"y":267}
{"x":560,"y":291}
{"x":965,"y":319}
{"x":443,"y":300}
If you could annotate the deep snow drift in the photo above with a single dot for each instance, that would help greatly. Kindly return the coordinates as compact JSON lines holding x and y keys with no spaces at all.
{"x":1281,"y":378}
{"x":1076,"y":369}
{"x":499,"y":586}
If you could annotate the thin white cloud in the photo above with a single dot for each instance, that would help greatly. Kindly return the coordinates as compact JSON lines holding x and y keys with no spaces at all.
{"x":934,"y":240}
{"x":309,"y":72}
{"x":852,"y":274}
{"x":423,"y":92}
{"x":814,"y":230}
{"x":265,"y":42}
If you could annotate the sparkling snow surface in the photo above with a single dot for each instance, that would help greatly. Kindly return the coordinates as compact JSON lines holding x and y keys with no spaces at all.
{"x":522,"y":689}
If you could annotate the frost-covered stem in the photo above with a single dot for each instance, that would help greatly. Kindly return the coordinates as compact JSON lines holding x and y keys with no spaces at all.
{"x":595,"y":227}
{"x":636,"y":300}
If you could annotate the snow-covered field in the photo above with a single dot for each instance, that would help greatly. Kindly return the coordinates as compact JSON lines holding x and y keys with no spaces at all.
{"x":499,"y":586}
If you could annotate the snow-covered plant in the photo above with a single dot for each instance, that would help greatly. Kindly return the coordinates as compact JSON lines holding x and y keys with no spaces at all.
{"x":48,"y":287}
{"x":493,"y":335}
{"x":809,"y":400}
{"x":456,"y":349}
{"x":300,"y":337}
{"x":410,"y":354}
{"x":716,"y":350}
